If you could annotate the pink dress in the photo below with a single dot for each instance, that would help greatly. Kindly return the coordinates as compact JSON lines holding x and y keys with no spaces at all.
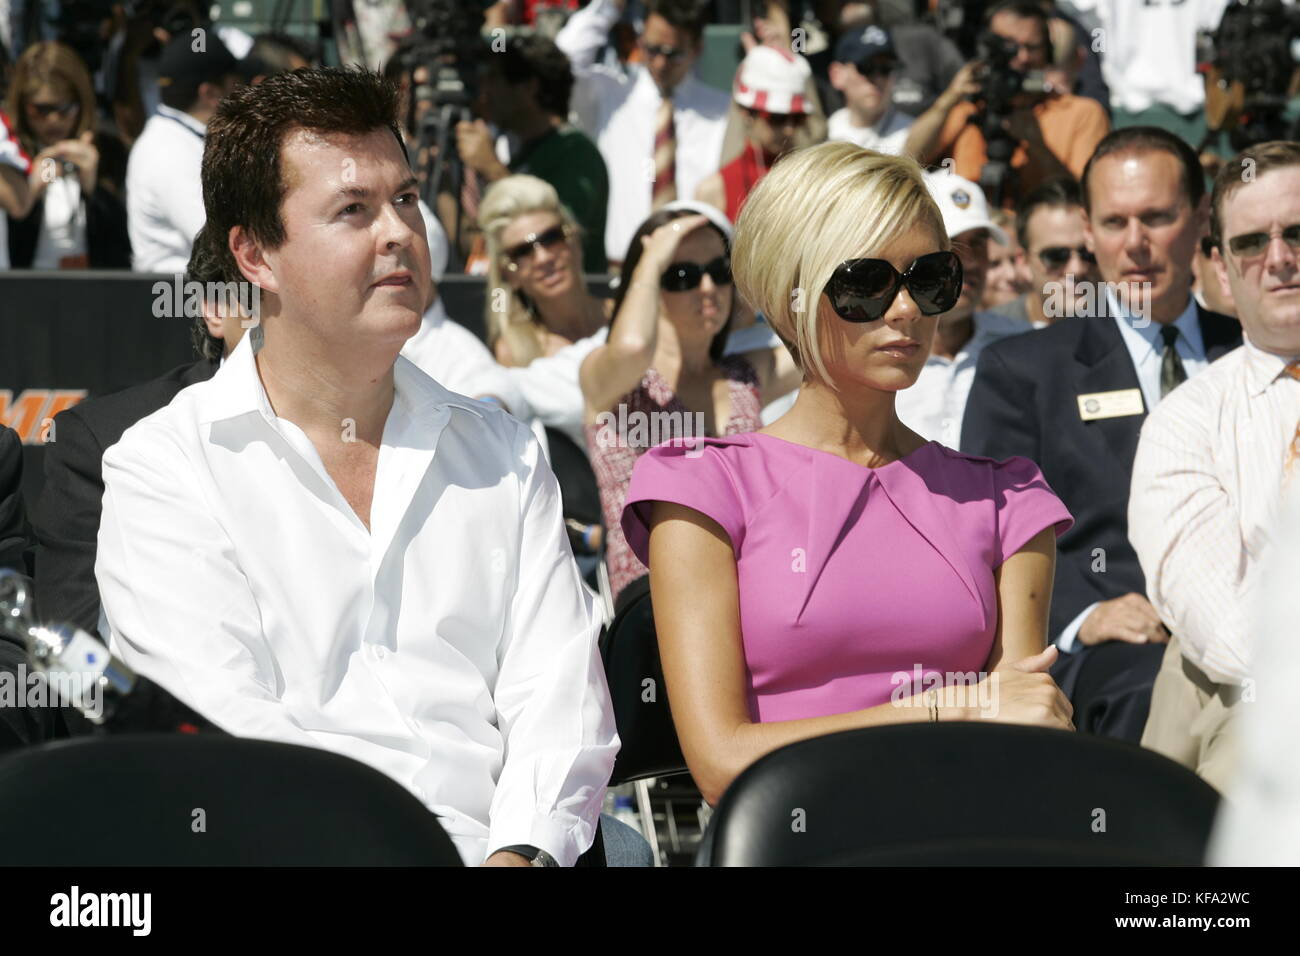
{"x":646,"y":416}
{"x":854,"y":581}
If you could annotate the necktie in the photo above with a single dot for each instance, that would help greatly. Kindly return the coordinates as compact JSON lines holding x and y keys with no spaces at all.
{"x":665,"y":157}
{"x":1293,"y":450}
{"x":1172,"y":373}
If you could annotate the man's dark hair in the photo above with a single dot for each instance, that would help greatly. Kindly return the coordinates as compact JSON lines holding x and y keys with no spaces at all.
{"x":1148,"y":139}
{"x":1025,"y":9}
{"x":688,"y":15}
{"x":243,"y":172}
{"x":209,"y":262}
{"x":1260,"y":158}
{"x":277,"y":51}
{"x":1055,"y":193}
{"x":535,"y":56}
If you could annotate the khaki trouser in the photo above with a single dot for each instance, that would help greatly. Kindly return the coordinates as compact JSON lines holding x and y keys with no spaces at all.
{"x":1193,"y":720}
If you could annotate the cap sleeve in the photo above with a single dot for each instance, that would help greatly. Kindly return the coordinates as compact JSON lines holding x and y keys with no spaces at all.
{"x":684,"y":472}
{"x":1025,"y":504}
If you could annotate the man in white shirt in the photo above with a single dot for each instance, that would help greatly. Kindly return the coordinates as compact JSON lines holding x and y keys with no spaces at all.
{"x":322,"y":545}
{"x":659,"y":128}
{"x":1211,"y":465}
{"x":934,"y":406}
{"x":164,"y":196}
{"x":864,"y":71}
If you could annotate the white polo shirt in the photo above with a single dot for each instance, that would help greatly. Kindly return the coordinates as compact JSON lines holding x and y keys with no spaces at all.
{"x":164,"y":191}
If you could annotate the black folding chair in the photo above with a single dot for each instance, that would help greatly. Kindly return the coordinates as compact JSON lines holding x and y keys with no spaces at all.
{"x":207,"y":800}
{"x":961,"y":794}
{"x":630,"y":650}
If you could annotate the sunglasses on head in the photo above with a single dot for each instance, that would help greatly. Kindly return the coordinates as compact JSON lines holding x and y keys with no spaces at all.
{"x":684,"y":276}
{"x":862,"y":290}
{"x":1253,"y":243}
{"x":48,"y":109}
{"x":1055,"y":257}
{"x":551,"y":237}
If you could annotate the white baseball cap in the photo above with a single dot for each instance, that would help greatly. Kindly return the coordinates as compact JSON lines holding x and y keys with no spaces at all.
{"x":773,"y":80}
{"x":963,"y":205}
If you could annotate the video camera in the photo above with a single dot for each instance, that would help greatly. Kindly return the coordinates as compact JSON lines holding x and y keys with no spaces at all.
{"x":1252,"y":66}
{"x":1001,"y":88}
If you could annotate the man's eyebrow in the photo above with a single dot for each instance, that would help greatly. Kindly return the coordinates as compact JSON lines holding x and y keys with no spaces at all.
{"x":361,"y":192}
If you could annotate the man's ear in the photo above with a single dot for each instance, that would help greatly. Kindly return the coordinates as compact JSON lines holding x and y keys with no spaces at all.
{"x":835,"y":73}
{"x":252,"y":260}
{"x":1221,"y":273}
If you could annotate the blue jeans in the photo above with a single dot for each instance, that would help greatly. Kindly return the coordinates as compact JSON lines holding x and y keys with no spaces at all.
{"x":624,"y":846}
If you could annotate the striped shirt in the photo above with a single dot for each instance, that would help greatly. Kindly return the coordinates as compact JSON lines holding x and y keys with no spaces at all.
{"x":1204,"y":502}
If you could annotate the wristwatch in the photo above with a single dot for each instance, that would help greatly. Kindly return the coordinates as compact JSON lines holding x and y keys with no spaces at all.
{"x":533,"y":855}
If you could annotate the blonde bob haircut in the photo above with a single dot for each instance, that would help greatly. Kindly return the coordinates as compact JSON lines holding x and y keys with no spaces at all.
{"x":508,"y":313}
{"x":817,"y":207}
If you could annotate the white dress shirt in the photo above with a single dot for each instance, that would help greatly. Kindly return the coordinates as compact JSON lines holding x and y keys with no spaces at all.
{"x":1146,"y":348}
{"x":617,"y":110}
{"x":450,"y":646}
{"x":935,"y":405}
{"x":164,"y":191}
{"x":453,"y":356}
{"x":889,"y":135}
{"x":550,"y":388}
{"x":1259,"y":822}
{"x":1203,"y":507}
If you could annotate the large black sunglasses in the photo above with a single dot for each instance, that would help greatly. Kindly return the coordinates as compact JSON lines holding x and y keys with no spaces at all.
{"x":862,"y":290}
{"x":684,"y":276}
{"x":1056,"y":257}
{"x":1253,"y":243}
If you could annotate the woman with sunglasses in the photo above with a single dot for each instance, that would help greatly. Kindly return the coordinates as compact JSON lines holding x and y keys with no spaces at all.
{"x":833,"y":570}
{"x":662,"y":373}
{"x":536,"y":300}
{"x":76,"y":217}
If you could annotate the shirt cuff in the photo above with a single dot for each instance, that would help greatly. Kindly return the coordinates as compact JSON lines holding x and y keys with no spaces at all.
{"x":543,"y":832}
{"x":1065,"y":641}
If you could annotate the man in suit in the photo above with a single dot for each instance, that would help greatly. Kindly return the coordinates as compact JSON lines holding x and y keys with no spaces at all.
{"x":1072,"y":398}
{"x":66,"y":515}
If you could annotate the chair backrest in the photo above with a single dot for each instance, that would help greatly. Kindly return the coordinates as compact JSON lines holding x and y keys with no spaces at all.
{"x":579,"y":493}
{"x":961,"y":794}
{"x":630,"y":650}
{"x":207,"y":800}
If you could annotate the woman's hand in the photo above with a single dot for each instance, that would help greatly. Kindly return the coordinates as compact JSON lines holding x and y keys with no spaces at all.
{"x":659,"y":248}
{"x":1024,"y":693}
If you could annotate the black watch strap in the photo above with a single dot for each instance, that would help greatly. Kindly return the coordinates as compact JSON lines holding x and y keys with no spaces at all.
{"x":531,"y":853}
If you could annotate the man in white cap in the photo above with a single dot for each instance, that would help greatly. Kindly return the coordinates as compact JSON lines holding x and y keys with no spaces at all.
{"x":769,"y":89}
{"x":934,"y":406}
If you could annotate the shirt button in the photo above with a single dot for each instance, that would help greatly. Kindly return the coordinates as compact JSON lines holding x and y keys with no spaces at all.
{"x":379,"y":653}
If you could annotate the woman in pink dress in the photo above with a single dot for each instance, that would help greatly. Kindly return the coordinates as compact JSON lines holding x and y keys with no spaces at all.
{"x":834,"y":570}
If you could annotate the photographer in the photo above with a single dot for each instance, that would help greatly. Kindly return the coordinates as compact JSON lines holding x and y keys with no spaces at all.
{"x":1053,"y":132}
{"x":525,"y":92}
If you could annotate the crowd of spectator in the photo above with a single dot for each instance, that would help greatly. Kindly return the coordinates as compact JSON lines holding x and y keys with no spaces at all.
{"x":866,"y":306}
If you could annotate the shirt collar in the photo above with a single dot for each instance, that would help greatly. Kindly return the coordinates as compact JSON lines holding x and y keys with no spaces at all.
{"x":185,"y":119}
{"x":1262,"y":368}
{"x":1188,"y":323}
{"x":236,"y":389}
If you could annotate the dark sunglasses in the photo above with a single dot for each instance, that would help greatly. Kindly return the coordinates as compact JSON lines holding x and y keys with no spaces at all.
{"x":1253,"y":243}
{"x":862,"y":290}
{"x":876,"y":69}
{"x":551,"y":237}
{"x":1054,"y":257}
{"x":684,"y":276}
{"x":47,"y":109}
{"x":781,"y":119}
{"x":671,"y":53}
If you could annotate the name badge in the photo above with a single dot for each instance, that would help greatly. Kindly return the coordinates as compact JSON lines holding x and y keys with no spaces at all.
{"x":1125,"y":401}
